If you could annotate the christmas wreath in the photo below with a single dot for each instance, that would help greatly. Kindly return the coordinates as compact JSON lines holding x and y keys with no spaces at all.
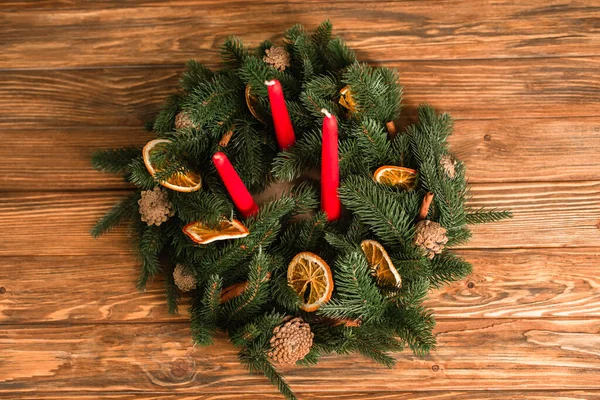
{"x":343,"y":256}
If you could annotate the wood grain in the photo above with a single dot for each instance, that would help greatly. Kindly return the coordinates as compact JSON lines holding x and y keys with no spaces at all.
{"x":546,"y":215}
{"x":503,"y":150}
{"x":472,"y":89}
{"x":547,"y":283}
{"x":60,"y":158}
{"x":439,"y":395}
{"x":159,"y":358}
{"x":529,"y":150}
{"x":521,"y":80}
{"x":172,"y":32}
{"x":106,"y":98}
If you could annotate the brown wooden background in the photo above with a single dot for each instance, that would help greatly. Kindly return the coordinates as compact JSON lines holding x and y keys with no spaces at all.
{"x":522,"y":80}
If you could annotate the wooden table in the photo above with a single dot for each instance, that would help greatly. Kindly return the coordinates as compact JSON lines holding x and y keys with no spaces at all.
{"x":522,"y":80}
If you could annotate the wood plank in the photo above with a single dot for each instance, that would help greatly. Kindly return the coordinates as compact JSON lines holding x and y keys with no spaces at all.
{"x":440,"y":395}
{"x":545,"y":283}
{"x":154,"y":33}
{"x":79,"y":289}
{"x":529,"y":283}
{"x":516,"y":150}
{"x":504,"y":150}
{"x":475,"y":89}
{"x":75,"y":98}
{"x":58,"y":223}
{"x":478,"y":354}
{"x":60,"y":158}
{"x":546,"y":215}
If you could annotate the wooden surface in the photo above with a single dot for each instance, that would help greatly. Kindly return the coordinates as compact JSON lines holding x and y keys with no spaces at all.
{"x":522,"y":81}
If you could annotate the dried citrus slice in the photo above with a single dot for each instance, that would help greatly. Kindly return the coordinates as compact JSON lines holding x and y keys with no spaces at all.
{"x":396,"y":176}
{"x":180,"y":182}
{"x":381,"y":265}
{"x":346,"y":99}
{"x":252,"y":103}
{"x":203,"y":234}
{"x":310,"y":277}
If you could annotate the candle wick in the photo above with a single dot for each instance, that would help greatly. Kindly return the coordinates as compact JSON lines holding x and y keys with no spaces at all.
{"x":270,"y":83}
{"x":324,"y":111}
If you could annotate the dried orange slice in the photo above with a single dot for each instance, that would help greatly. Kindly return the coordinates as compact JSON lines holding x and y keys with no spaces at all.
{"x":202,"y":234}
{"x":380,"y":263}
{"x":252,"y":103}
{"x":310,"y":277}
{"x":392,"y":175}
{"x":180,"y":182}
{"x":346,"y":99}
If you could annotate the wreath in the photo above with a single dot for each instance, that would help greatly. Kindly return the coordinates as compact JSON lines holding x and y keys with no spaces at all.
{"x":343,"y":255}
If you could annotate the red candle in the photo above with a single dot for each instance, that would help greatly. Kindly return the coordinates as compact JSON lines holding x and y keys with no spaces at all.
{"x":330,"y":172}
{"x":284,"y":131}
{"x":236,"y":188}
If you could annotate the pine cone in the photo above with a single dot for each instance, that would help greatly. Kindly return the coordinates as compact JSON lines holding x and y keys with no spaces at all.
{"x":449,"y":165}
{"x":277,"y":57}
{"x":155,"y":207}
{"x":182,"y":120}
{"x":291,"y":341}
{"x":431,"y":237}
{"x":184,"y":280}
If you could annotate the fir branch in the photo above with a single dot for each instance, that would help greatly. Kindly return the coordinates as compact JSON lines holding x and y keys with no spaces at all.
{"x":195,"y":74}
{"x":375,"y":91}
{"x":300,"y":116}
{"x":304,"y":55}
{"x":401,"y":151}
{"x":340,"y":243}
{"x":216,"y":103}
{"x":374,"y":344}
{"x":165,"y":119}
{"x":357,"y":294}
{"x":210,"y":208}
{"x":322,"y":35}
{"x":233,"y":52}
{"x":253,"y":354}
{"x":125,"y":209}
{"x":255,"y":72}
{"x":205,"y":310}
{"x":411,"y":266}
{"x":458,"y":236}
{"x":323,"y":87}
{"x":373,"y":142}
{"x":483,"y":216}
{"x":413,"y":292}
{"x":414,"y":326}
{"x":263,"y":365}
{"x":249,"y":303}
{"x":351,"y":160}
{"x":378,"y":209}
{"x":290,"y":164}
{"x":171,"y":290}
{"x":315,"y":104}
{"x":447,"y":267}
{"x":263,"y":47}
{"x":339,"y":56}
{"x":139,"y":176}
{"x":357,"y":231}
{"x":284,"y":295}
{"x":246,"y":144}
{"x":151,"y":242}
{"x":258,"y":332}
{"x":115,"y":161}
{"x":304,"y":235}
{"x":185,"y":144}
